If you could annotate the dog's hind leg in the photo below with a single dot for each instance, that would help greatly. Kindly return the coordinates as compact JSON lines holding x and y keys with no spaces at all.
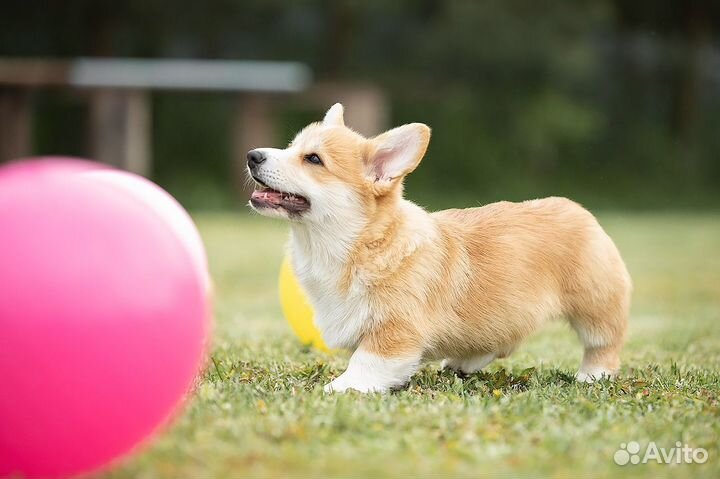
{"x":597,"y":303}
{"x":602,"y":332}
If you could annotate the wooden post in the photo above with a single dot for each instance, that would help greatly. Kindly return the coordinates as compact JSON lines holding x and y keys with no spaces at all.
{"x":252,"y":128}
{"x":367,"y":110}
{"x":15,"y":123}
{"x":120,"y":129}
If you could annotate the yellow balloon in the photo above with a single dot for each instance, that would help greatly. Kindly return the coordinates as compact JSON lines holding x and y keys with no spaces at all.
{"x":297,"y":309}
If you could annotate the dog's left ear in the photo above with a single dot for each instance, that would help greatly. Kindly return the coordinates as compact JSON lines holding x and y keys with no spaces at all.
{"x":334,"y":116}
{"x":396,"y":153}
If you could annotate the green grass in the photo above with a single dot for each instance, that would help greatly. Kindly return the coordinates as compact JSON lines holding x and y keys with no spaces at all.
{"x":259,"y":409}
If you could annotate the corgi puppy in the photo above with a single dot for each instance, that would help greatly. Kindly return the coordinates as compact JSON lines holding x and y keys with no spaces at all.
{"x":399,"y":286}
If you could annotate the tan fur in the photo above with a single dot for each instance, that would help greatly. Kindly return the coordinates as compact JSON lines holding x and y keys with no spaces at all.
{"x":462,"y":283}
{"x":495,"y":275}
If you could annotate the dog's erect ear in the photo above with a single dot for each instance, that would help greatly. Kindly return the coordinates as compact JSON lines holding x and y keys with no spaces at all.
{"x":396,"y":153}
{"x":334,"y":116}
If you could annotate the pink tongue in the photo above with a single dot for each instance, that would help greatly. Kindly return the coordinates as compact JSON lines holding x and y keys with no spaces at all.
{"x":267,"y":196}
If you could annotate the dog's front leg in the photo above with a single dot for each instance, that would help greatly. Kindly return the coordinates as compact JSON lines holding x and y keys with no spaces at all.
{"x":372,"y":372}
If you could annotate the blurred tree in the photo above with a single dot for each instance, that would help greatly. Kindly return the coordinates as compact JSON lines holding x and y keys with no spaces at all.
{"x":615,"y":102}
{"x":690,"y":26}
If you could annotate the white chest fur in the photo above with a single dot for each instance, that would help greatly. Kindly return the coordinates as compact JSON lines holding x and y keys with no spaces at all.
{"x":340,"y":318}
{"x":320,"y":254}
{"x":318,"y":261}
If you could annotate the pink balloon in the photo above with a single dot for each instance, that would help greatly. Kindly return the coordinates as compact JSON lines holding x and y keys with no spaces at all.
{"x":103,"y":322}
{"x":41,"y":167}
{"x":162,"y":204}
{"x":160,"y":201}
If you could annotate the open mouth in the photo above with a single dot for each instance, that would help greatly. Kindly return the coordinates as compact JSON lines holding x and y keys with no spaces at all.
{"x":266,"y":197}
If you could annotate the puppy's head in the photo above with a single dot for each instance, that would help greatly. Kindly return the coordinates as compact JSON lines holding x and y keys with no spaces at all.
{"x":330,"y":171}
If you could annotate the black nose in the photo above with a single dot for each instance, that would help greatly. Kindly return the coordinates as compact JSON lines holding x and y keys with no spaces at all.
{"x":255,"y":158}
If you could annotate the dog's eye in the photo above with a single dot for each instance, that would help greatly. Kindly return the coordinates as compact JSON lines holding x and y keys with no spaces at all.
{"x":314,"y":159}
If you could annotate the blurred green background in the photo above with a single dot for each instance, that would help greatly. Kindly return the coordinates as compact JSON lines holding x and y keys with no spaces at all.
{"x":614,"y":103}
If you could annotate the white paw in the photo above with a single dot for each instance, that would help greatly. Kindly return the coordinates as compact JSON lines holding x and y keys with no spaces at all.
{"x":452,"y":364}
{"x":341,"y":385}
{"x":468,"y":365}
{"x":593,"y":375}
{"x":368,"y":372}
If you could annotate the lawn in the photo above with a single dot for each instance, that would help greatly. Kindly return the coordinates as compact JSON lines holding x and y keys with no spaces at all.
{"x":259,"y":409}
